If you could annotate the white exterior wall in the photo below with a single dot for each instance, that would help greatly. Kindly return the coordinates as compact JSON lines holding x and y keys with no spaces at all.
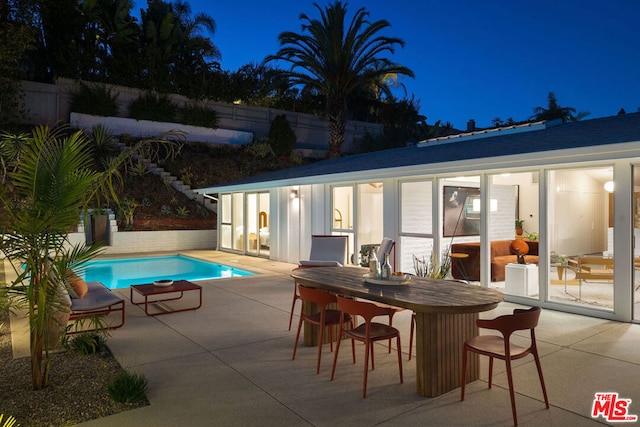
{"x":148,"y":128}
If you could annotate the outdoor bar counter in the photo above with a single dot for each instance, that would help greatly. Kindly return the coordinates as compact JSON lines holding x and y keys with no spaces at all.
{"x":446,"y":313}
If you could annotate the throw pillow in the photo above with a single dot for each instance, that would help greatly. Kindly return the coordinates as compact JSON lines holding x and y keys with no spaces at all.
{"x":519,"y":244}
{"x":77,"y":286}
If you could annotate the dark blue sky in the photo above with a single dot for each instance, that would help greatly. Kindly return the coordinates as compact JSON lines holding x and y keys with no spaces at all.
{"x":474,"y":59}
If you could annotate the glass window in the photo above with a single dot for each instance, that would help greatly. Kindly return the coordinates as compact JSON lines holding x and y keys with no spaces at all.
{"x":513,"y":199}
{"x":343,"y":216}
{"x":237,"y":209}
{"x":416,"y":225}
{"x":370,"y":216}
{"x":580,"y":237}
{"x":226,"y":229}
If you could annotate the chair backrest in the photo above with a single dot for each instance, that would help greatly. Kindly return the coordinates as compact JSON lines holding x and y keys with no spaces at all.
{"x":318,"y":296}
{"x":385,"y":248}
{"x":521,"y":319}
{"x":329,"y":248}
{"x":362,"y":308}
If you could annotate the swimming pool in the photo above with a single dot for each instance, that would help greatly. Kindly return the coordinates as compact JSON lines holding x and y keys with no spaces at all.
{"x":124,"y":272}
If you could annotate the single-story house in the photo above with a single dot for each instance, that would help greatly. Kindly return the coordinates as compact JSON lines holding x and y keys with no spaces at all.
{"x":575,"y":185}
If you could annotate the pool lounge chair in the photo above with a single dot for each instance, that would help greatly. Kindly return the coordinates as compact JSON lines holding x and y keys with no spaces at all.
{"x":97,"y":301}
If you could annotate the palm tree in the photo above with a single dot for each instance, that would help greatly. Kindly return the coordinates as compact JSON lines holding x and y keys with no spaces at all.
{"x":336,"y":60}
{"x":555,"y":111}
{"x":50,"y":184}
{"x":177,"y":55}
{"x":54,"y":180}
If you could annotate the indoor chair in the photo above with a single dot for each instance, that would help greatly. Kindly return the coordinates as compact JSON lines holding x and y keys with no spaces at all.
{"x":324,"y":317}
{"x":500,"y":347}
{"x":368,"y":333}
{"x":326,"y":251}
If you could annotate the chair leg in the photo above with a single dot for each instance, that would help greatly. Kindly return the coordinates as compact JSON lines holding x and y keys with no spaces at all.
{"x":367,"y":346}
{"x":511,"y":393}
{"x":335,"y":355}
{"x":293,"y":304}
{"x":413,"y":325}
{"x":373,"y":360}
{"x":400,"y":359}
{"x":490,"y":371}
{"x":320,"y":342}
{"x":464,"y":373}
{"x":544,"y":389}
{"x":295,"y":346}
{"x":390,"y":324}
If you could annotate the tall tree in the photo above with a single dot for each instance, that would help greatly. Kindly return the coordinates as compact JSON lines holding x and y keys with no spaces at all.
{"x":176,"y":52}
{"x":114,"y":36}
{"x":15,"y":39}
{"x":336,"y":59}
{"x":555,"y":111}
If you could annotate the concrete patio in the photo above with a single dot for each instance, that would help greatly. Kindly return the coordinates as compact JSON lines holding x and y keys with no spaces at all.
{"x":229,"y":364}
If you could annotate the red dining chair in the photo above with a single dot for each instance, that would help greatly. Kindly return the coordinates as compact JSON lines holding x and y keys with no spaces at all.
{"x":326,"y":251}
{"x":500,"y":347}
{"x":324,"y":317}
{"x":367,"y":333}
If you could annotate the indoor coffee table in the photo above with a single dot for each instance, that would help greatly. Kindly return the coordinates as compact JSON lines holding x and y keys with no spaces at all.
{"x":154,"y":294}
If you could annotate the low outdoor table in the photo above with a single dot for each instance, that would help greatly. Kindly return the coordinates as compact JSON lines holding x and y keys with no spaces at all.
{"x":446,"y":314}
{"x":152,"y":295}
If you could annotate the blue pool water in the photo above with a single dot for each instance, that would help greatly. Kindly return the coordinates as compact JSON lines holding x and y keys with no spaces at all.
{"x":122,"y":273}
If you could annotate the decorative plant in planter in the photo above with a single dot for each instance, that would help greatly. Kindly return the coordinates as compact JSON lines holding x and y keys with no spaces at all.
{"x":519,"y":223}
{"x":432,"y":268}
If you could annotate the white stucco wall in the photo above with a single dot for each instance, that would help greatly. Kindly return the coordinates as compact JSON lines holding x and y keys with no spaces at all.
{"x":147,"y":128}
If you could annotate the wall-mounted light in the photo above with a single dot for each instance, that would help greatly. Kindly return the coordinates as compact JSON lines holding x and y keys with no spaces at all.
{"x":294,"y":194}
{"x":608,"y":186}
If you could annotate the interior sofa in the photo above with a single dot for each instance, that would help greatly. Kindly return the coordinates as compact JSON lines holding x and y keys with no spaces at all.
{"x":502,"y":253}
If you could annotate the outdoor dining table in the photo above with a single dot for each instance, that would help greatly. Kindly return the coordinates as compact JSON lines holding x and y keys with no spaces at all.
{"x":446,"y":314}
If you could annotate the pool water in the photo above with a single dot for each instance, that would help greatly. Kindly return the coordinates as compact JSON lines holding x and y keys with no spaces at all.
{"x":122,"y":273}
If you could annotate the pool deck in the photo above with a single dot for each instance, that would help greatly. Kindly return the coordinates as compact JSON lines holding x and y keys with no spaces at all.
{"x":229,"y":364}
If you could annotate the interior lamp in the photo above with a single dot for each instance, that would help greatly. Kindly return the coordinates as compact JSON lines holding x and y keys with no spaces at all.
{"x":608,"y":186}
{"x":493,"y":205}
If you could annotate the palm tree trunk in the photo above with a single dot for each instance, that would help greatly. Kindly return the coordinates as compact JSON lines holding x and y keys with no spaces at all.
{"x":36,"y":360}
{"x":337,"y":125}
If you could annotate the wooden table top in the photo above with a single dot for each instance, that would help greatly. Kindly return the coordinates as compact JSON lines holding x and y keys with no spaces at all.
{"x":420,"y":294}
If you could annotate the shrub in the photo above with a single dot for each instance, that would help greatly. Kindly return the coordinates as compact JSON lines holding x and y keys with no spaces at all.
{"x":97,"y":101}
{"x":182,"y":211}
{"x":88,"y":343}
{"x":281,"y":137}
{"x":195,"y":115}
{"x":128,"y":388}
{"x":150,"y":106}
{"x":260,"y":149}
